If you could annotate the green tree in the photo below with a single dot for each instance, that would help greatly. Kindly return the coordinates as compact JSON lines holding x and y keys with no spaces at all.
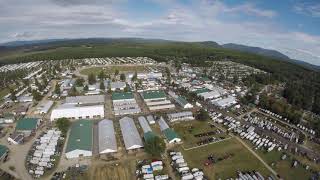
{"x":57,"y":89}
{"x":79,"y":82}
{"x":202,"y":115}
{"x":86,"y":88}
{"x":102,"y":87}
{"x":102,"y":75}
{"x":126,"y":89}
{"x":154,"y":146}
{"x":122,"y":77}
{"x":36,"y":95}
{"x":63,"y":125}
{"x":135,"y":76}
{"x":13,"y":95}
{"x":92,"y":78}
{"x":116,"y":72}
{"x":26,"y":82}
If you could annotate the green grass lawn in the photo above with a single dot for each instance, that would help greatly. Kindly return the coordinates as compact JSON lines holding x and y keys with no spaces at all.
{"x":187,"y":130}
{"x":242,"y":159}
{"x":283,"y":167}
{"x":4,"y":92}
{"x":111,"y":69}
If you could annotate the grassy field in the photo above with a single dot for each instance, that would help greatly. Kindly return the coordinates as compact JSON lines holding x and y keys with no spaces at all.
{"x":187,"y":130}
{"x":284,"y":167}
{"x":122,"y":171}
{"x":111,"y":69}
{"x":4,"y":92}
{"x":242,"y":159}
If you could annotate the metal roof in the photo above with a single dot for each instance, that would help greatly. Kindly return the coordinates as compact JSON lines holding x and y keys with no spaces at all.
{"x":144,"y":124}
{"x":80,"y":136}
{"x":203,"y":90}
{"x":107,"y":138}
{"x":181,"y":100}
{"x":153,"y":94}
{"x":180,"y":114}
{"x":94,"y":99}
{"x":131,"y":137}
{"x":3,"y":150}
{"x":27,"y":124}
{"x":162,"y":123}
{"x":117,"y":85}
{"x":170,"y":134}
{"x":122,"y":96}
{"x":150,"y":118}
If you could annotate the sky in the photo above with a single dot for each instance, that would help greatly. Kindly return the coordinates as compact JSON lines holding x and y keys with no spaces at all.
{"x":289,"y":26}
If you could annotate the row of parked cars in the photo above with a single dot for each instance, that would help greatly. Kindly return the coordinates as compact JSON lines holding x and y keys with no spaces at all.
{"x":180,"y":165}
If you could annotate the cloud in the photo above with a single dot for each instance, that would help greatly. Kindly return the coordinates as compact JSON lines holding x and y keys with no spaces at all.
{"x":22,"y":35}
{"x":309,"y":9}
{"x":83,"y":2}
{"x":250,"y":9}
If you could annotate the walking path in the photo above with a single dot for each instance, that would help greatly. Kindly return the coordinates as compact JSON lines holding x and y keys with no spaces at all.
{"x":195,"y":147}
{"x":257,"y":156}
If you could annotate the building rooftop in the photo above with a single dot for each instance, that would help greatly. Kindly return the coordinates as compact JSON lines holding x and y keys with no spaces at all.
{"x":27,"y":124}
{"x":3,"y":150}
{"x":162,"y":123}
{"x":203,"y":90}
{"x":80,"y":136}
{"x":180,"y":114}
{"x":131,"y":136}
{"x":122,"y":95}
{"x":117,"y":85}
{"x":170,"y":134}
{"x":144,"y":124}
{"x":153,"y":94}
{"x":94,"y":99}
{"x":182,"y":101}
{"x":107,"y":138}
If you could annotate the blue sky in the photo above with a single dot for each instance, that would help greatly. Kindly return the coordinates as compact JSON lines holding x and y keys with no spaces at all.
{"x":289,"y":26}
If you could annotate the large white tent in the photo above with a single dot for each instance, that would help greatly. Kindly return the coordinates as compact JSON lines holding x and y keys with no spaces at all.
{"x":77,"y":112}
{"x":131,"y":137}
{"x":107,"y":138}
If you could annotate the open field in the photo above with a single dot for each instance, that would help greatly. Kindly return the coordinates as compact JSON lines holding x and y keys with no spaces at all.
{"x":241,"y":159}
{"x":284,"y":167}
{"x":123,"y":171}
{"x":110,"y":69}
{"x":312,"y":145}
{"x":187,"y":130}
{"x":4,"y":92}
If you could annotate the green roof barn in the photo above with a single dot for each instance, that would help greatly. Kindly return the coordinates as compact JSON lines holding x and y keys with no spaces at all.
{"x":27,"y":125}
{"x":80,"y":139}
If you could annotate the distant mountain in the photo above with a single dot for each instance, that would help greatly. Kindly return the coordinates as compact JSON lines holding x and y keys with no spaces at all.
{"x":305,"y":64}
{"x":210,"y":44}
{"x":81,"y":40}
{"x":38,"y":45}
{"x":255,"y":50}
{"x":23,"y":43}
